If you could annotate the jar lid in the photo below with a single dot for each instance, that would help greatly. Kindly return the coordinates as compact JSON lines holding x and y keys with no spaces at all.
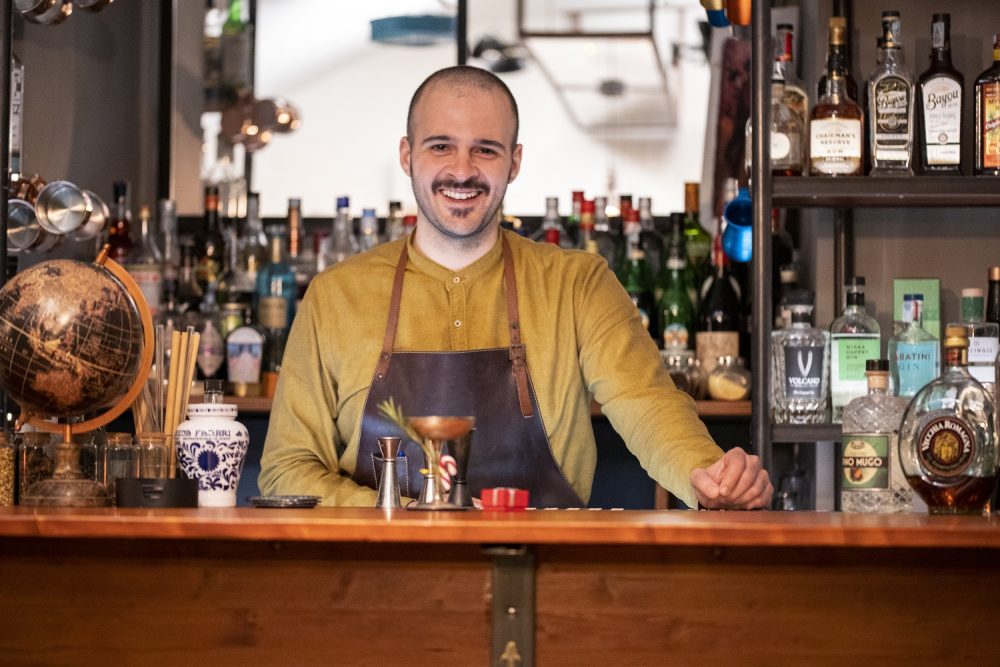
{"x":212,"y":410}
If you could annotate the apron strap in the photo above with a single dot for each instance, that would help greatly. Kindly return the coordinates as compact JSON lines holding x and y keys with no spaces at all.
{"x":517,"y":355}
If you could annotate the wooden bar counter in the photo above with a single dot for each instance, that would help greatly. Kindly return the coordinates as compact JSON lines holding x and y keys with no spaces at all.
{"x":364,"y":587}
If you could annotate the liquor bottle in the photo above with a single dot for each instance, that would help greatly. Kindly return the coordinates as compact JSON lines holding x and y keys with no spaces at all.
{"x":275,"y":305}
{"x":800,"y":366}
{"x":720,"y":318}
{"x":854,"y":339}
{"x":237,"y":50}
{"x":607,"y":243}
{"x":552,"y":230}
{"x":211,"y":244}
{"x":638,"y":281}
{"x":632,"y":230}
{"x":586,"y":240}
{"x":674,"y":306}
{"x":836,"y":123}
{"x":787,"y":122}
{"x":573,"y":219}
{"x":794,"y":95}
{"x":189,"y":292}
{"x":394,"y":223}
{"x":947,"y":437}
{"x":409,"y":223}
{"x":873,"y":480}
{"x":244,"y":356}
{"x":299,"y":252}
{"x":983,"y":338}
{"x":16,"y":117}
{"x":677,"y":243}
{"x":838,"y":58}
{"x":343,"y":243}
{"x":941,"y":91}
{"x":650,"y":239}
{"x":368,"y":238}
{"x":890,"y":104}
{"x":145,"y":263}
{"x":993,"y":295}
{"x":913,"y":353}
{"x":788,"y":282}
{"x":988,"y":116}
{"x":250,"y":255}
{"x":171,"y":315}
{"x":697,"y":241}
{"x":211,"y":356}
{"x":120,"y":225}
{"x":620,"y":228}
{"x":171,"y":247}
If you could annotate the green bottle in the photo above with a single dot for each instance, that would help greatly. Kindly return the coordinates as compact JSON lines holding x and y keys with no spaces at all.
{"x":675,"y":305}
{"x":698,"y":241}
{"x":638,"y":282}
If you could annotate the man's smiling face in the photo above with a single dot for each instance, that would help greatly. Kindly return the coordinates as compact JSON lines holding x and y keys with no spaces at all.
{"x":460,"y":158}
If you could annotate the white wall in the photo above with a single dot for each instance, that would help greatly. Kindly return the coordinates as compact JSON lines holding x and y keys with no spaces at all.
{"x":353,"y":95}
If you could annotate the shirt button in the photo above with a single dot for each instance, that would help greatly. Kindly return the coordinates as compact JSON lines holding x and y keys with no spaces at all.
{"x":456,"y":279}
{"x":458,"y":323}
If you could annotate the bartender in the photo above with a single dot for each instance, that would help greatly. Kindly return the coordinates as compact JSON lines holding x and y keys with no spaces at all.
{"x":462,"y":317}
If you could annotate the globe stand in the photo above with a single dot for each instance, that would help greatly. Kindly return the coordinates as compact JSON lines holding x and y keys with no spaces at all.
{"x":68,"y":487}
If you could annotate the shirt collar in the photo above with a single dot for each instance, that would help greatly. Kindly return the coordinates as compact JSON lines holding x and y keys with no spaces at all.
{"x":488,"y":262}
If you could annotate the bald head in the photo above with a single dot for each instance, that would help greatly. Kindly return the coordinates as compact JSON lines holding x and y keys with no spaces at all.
{"x":461,"y":76}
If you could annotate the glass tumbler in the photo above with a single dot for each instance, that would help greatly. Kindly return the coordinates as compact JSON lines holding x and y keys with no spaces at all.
{"x":153,"y":451}
{"x":118,"y":459}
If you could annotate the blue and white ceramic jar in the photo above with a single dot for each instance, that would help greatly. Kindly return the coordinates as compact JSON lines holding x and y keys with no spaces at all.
{"x":211,"y":448}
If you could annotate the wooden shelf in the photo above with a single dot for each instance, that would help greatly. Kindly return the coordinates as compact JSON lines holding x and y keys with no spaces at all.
{"x":877,"y":191}
{"x":805,"y":432}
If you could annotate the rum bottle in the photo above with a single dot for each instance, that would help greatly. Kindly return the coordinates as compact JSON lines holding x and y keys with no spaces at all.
{"x":836,"y":124}
{"x":890,"y":104}
{"x":988,"y":116}
{"x":947,"y":438}
{"x":941,"y":90}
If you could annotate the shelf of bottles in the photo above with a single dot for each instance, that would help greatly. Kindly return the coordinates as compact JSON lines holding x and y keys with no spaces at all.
{"x":895,"y":191}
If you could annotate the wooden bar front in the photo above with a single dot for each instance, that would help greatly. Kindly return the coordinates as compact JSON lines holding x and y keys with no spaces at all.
{"x":357,"y":586}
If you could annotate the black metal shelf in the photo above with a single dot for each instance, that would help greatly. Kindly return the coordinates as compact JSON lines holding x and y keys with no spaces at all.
{"x":805,"y":432}
{"x":894,"y":191}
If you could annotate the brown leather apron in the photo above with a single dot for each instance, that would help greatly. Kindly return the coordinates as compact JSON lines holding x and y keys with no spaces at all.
{"x":509,"y":448}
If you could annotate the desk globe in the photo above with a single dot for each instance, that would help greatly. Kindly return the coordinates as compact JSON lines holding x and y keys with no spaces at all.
{"x":76,"y":338}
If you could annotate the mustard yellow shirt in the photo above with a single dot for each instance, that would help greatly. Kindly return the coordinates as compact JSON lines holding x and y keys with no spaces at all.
{"x":583,"y":337}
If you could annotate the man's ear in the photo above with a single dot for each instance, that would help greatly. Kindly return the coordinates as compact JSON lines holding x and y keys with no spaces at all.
{"x":404,"y":155}
{"x":515,"y":166}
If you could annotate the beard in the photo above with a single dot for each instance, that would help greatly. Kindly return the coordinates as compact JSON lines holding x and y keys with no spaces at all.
{"x":465,"y":237}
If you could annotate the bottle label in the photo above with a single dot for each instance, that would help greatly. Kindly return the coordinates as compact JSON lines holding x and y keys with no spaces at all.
{"x":150,"y":283}
{"x":865,"y":460}
{"x":675,"y":335}
{"x":942,"y":100}
{"x":916,"y":365}
{"x":982,"y":354}
{"x":946,"y":447}
{"x":891,"y":126}
{"x":990,"y":119}
{"x":714,"y":344}
{"x":211,"y":350}
{"x":272,"y":312}
{"x":781,"y":146}
{"x":835,"y":145}
{"x":244,"y":351}
{"x":804,"y":371}
{"x":848,"y":355}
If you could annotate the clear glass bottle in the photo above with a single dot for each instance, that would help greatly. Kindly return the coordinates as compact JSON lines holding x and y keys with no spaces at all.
{"x":251,"y":251}
{"x":800,"y":367}
{"x":984,"y":338}
{"x":854,"y":339}
{"x":552,"y":230}
{"x":211,"y":356}
{"x":145,"y":263}
{"x":987,"y":128}
{"x":729,"y":380}
{"x":873,"y":480}
{"x":836,"y":123}
{"x":369,"y":230}
{"x":890,"y":105}
{"x":171,"y":247}
{"x":787,"y":122}
{"x":913,"y":352}
{"x":947,"y":439}
{"x":794,"y":95}
{"x":941,"y":91}
{"x":605,"y":239}
{"x":343,"y":243}
{"x":394,"y":223}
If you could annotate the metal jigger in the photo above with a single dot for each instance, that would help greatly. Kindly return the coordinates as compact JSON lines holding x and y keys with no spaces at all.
{"x":459,"y":449}
{"x":388,"y":487}
{"x":434,"y":430}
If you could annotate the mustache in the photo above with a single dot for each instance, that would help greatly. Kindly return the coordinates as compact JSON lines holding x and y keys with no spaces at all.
{"x":467,"y":184}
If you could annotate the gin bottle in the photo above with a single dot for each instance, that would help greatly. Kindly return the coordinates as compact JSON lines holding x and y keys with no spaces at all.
{"x":800,"y":372}
{"x":854,"y":340}
{"x":947,"y":439}
{"x":343,"y":243}
{"x":890,"y":104}
{"x":913,"y":353}
{"x":369,"y":230}
{"x":983,"y":337}
{"x":873,"y":480}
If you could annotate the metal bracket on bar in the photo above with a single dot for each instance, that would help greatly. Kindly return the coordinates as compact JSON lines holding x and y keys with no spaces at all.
{"x":513,"y":615}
